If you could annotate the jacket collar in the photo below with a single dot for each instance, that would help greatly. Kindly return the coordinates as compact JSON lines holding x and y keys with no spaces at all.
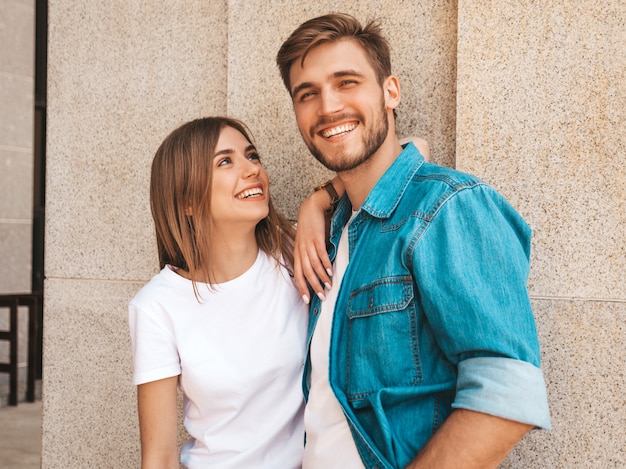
{"x":386,"y":194}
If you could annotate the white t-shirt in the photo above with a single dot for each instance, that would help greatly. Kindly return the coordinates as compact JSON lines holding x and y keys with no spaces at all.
{"x":329,"y":442}
{"x":239,"y":354}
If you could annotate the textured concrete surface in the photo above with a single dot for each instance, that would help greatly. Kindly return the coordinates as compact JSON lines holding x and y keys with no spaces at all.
{"x":541,"y":116}
{"x":583,"y":352}
{"x":120,"y":79}
{"x":88,"y":394}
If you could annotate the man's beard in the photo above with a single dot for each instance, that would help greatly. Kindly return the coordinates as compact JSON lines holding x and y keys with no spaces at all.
{"x":372,"y":142}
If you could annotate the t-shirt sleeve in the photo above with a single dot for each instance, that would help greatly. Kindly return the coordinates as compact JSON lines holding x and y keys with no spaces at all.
{"x":154,"y":346}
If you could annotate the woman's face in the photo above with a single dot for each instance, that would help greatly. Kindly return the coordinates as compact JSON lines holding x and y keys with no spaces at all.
{"x":239,"y":185}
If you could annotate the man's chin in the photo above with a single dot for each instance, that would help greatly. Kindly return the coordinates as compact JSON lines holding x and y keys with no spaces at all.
{"x":341,"y":163}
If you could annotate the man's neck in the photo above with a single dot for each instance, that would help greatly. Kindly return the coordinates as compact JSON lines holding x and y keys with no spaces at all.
{"x":359,"y":181}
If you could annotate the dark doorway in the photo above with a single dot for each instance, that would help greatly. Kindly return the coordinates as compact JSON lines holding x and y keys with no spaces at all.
{"x":39,"y":167}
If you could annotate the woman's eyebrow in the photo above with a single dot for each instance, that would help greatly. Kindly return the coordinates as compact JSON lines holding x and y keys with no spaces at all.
{"x":230,"y":151}
{"x":226,"y":151}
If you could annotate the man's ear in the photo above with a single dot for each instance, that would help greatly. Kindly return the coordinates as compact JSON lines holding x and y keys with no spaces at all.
{"x":391,"y":89}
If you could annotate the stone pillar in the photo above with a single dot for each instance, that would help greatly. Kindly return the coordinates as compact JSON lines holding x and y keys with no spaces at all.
{"x":541,"y":112}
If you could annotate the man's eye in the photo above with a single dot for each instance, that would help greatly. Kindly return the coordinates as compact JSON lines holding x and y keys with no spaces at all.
{"x":348,"y":82}
{"x":305,"y":96}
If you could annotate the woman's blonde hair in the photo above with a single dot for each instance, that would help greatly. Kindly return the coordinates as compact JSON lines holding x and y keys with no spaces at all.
{"x":180,"y":184}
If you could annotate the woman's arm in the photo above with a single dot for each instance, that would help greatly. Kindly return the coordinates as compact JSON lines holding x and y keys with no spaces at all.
{"x":312,"y":265}
{"x":420,"y":143}
{"x":158,"y":423}
{"x":311,"y":262}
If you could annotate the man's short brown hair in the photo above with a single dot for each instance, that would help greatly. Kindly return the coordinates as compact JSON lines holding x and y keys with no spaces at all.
{"x":331,"y":28}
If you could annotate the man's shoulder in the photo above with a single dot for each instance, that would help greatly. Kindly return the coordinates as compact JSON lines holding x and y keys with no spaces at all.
{"x":431,"y":185}
{"x":430,"y":172}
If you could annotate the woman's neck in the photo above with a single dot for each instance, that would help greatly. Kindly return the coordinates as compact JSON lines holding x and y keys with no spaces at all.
{"x":231,"y":258}
{"x":232,"y":253}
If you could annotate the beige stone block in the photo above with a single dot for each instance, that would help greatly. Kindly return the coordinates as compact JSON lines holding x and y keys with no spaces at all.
{"x":89,"y":406}
{"x":16,"y":118}
{"x":17,"y":36}
{"x":15,"y":252}
{"x":16,"y":189}
{"x":584,"y":351}
{"x":541,"y":116}
{"x":120,"y":79}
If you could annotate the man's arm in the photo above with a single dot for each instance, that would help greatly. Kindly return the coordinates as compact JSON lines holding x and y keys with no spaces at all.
{"x":500,"y":395}
{"x":470,"y":440}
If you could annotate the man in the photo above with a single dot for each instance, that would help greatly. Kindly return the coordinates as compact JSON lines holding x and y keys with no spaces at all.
{"x":424,"y":352}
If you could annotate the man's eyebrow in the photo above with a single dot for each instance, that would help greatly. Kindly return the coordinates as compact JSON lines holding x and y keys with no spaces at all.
{"x":300,"y":87}
{"x":345,"y":73}
{"x":338,"y":74}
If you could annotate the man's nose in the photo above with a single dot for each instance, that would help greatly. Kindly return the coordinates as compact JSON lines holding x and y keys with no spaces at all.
{"x":330,"y":102}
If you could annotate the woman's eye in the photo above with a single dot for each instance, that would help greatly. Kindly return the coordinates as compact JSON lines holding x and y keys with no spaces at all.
{"x":223,"y":161}
{"x":254,"y":156}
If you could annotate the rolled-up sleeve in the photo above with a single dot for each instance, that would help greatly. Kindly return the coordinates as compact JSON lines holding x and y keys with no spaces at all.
{"x":491,"y":384}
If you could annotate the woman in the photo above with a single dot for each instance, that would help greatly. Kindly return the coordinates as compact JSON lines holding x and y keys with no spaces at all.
{"x":223,"y":319}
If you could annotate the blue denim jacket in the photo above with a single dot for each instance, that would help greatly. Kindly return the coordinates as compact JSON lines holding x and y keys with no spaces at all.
{"x":433,"y":312}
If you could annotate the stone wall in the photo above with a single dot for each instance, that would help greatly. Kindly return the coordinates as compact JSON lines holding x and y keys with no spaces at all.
{"x":527,"y":95}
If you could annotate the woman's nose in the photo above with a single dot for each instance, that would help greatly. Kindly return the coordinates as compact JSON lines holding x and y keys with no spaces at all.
{"x":251,"y":168}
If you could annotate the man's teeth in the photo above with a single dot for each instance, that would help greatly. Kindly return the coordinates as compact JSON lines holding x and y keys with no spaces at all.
{"x":337,"y":130}
{"x":250,"y":193}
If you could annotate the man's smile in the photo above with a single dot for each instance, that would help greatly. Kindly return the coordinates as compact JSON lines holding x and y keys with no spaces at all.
{"x":338,"y":130}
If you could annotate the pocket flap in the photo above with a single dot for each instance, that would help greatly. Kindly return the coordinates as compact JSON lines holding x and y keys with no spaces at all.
{"x":382,"y":296}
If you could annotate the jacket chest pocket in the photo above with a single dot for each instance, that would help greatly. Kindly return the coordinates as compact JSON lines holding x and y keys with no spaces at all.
{"x":383,"y":349}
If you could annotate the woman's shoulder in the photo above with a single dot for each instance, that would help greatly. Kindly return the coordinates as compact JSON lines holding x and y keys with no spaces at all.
{"x":165,"y":284}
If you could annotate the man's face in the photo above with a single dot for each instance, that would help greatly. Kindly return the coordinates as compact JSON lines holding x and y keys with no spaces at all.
{"x":339,"y":105}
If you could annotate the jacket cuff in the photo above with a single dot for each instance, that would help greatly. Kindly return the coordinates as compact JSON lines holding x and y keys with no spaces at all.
{"x":504,"y":387}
